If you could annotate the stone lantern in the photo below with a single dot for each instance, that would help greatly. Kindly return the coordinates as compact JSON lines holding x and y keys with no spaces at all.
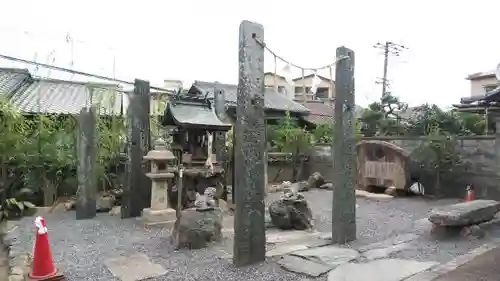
{"x":161,"y":158}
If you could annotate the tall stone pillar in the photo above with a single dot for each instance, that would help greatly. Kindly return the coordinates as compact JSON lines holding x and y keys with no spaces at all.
{"x":344,"y":160}
{"x":249,"y":150}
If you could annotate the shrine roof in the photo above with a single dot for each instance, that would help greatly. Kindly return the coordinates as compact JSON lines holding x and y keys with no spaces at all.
{"x":272,"y":99}
{"x":193,"y":115}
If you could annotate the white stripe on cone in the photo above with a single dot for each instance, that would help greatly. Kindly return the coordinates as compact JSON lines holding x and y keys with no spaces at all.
{"x":40,"y":225}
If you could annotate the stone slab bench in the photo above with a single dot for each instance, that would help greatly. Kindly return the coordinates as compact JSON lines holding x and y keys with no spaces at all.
{"x":464,"y":217}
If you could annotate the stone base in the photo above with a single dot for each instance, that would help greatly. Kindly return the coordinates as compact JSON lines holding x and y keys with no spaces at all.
{"x":469,"y":232}
{"x":158,"y":217}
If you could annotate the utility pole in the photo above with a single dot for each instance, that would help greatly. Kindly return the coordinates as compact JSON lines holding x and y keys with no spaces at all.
{"x":389,"y":48}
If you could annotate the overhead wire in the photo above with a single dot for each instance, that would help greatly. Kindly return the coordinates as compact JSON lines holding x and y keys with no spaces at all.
{"x":77,"y":72}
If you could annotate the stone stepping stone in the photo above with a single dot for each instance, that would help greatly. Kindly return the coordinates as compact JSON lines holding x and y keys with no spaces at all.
{"x":331,"y":256}
{"x":303,"y":266}
{"x":279,"y":236}
{"x":398,"y":239}
{"x":385,"y":252}
{"x":379,"y":270}
{"x":134,"y":268}
{"x":285,"y":249}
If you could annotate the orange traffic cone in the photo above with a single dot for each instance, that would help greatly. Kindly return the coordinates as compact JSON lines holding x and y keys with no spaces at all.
{"x":43,"y":267}
{"x":469,"y":196}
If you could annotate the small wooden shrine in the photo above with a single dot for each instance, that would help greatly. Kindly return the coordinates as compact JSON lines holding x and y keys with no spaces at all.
{"x":382,"y":164}
{"x":195,"y":123}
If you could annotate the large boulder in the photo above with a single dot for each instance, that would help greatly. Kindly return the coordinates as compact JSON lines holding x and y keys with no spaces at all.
{"x":196,"y":228}
{"x":465,"y":214}
{"x":315,"y":180}
{"x":291,"y":211}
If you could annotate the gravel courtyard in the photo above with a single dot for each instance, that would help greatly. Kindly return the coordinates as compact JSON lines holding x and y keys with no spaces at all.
{"x":81,"y":247}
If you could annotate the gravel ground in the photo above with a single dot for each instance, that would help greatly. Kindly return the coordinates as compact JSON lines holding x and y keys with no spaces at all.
{"x":81,"y":247}
{"x":375,"y":221}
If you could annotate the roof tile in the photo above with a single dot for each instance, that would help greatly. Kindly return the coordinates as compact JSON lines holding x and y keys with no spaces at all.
{"x":272,"y":100}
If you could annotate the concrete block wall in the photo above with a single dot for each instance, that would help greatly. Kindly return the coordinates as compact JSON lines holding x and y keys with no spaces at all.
{"x":479,"y":151}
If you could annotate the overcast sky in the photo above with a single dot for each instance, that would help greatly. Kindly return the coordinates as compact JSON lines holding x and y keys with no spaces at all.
{"x":198,"y":39}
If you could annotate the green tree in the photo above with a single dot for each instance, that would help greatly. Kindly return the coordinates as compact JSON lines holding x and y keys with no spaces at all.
{"x":437,"y":162}
{"x":446,"y":122}
{"x":383,"y":117}
{"x":473,"y":123}
{"x":323,"y":133}
{"x":288,"y":136}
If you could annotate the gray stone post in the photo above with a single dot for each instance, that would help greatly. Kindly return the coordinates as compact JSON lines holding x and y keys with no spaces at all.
{"x":135,"y":194}
{"x":220,"y":111}
{"x":87,"y":161}
{"x":249,"y":147}
{"x":220,"y":137}
{"x":344,"y":141}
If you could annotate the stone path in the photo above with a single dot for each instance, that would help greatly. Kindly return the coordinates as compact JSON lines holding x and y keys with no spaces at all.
{"x":363,"y":263}
{"x":388,"y":260}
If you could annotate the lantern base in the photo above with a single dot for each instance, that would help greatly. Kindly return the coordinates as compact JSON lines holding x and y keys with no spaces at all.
{"x":158,"y":216}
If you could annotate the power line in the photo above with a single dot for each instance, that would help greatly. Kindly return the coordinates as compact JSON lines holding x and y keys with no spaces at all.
{"x":389,"y":48}
{"x":76,"y":72}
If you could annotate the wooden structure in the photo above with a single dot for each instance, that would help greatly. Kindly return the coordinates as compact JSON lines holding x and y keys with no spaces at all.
{"x":382,"y":164}
{"x":194,"y":120}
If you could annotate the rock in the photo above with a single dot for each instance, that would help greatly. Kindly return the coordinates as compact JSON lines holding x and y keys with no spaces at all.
{"x":444,"y":232}
{"x":205,"y":201}
{"x":196,"y":229}
{"x":385,"y":252}
{"x":395,"y":270}
{"x":465,"y":214}
{"x":391,"y":190}
{"x":277,"y":236}
{"x":210,"y":192}
{"x":105,"y":203}
{"x":331,"y":256}
{"x":70,"y":205}
{"x":284,"y":249}
{"x":327,"y":185}
{"x":300,"y":265}
{"x":473,"y":232}
{"x":398,"y":239}
{"x":116,"y":211}
{"x":291,"y":213}
{"x":315,"y":180}
{"x":373,"y":196}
